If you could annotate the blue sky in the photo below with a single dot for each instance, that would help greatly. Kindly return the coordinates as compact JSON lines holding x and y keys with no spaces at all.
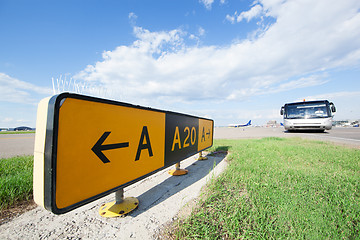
{"x":227,"y":60}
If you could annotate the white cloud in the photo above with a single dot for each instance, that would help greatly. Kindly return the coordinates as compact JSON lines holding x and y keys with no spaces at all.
{"x":268,"y":86}
{"x":150,"y":42}
{"x":313,"y":80}
{"x":335,"y":96}
{"x":254,"y":12}
{"x":132,"y":17}
{"x":207,"y":3}
{"x":14,"y":90}
{"x":307,"y":39}
{"x":201,"y":31}
{"x":230,"y":18}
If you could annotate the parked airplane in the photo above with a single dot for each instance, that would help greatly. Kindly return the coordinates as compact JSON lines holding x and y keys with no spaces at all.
{"x":240,"y":125}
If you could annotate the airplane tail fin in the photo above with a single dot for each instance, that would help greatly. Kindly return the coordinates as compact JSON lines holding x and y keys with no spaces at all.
{"x":249,"y":123}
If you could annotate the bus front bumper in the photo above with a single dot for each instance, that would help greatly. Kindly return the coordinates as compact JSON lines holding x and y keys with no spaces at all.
{"x":325,"y":124}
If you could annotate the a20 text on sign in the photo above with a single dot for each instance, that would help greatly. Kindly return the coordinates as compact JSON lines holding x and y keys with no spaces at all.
{"x":86,"y":147}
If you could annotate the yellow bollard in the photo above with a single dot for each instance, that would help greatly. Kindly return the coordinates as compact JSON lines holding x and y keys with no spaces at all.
{"x":120,"y":206}
{"x":201,"y":157}
{"x":177,"y":171}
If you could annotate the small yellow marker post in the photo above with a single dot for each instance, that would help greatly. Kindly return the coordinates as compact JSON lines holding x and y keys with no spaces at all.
{"x":120,"y":206}
{"x":201,"y":157}
{"x":177,"y":171}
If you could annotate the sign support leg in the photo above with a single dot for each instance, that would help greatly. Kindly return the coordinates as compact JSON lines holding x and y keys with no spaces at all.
{"x":119,"y":196}
{"x":201,"y":157}
{"x":177,"y":171}
{"x":120,"y":206}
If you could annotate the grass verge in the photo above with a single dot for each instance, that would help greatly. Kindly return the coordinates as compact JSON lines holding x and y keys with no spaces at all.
{"x":16,"y":132}
{"x":276,"y":188}
{"x":15,"y":180}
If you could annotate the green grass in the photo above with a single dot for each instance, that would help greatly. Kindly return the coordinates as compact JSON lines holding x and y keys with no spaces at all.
{"x":277,"y":188}
{"x":15,"y":180}
{"x":16,"y":132}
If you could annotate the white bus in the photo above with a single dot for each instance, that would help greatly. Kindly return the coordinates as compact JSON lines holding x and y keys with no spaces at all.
{"x":308,"y":115}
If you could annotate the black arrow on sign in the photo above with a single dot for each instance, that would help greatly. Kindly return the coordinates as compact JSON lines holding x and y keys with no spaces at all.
{"x":98,"y":148}
{"x":208,"y":133}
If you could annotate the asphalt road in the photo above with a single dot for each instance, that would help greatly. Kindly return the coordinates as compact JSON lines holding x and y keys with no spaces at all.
{"x":339,"y":135}
{"x":23,"y":144}
{"x":16,"y":144}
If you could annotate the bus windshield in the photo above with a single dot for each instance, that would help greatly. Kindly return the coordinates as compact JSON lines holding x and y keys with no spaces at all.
{"x":307,"y":111}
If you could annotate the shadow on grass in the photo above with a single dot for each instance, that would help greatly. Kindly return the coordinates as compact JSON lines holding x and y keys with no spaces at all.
{"x":224,"y":149}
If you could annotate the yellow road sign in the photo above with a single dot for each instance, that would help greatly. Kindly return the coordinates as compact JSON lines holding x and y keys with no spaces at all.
{"x":86,"y":148}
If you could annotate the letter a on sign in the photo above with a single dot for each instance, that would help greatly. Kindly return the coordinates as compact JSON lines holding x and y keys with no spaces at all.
{"x":176,"y":139}
{"x":147,"y":145}
{"x":203,"y":135}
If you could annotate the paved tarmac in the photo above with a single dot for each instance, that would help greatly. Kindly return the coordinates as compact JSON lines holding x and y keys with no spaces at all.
{"x":16,"y":144}
{"x":344,"y":136}
{"x":23,"y":144}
